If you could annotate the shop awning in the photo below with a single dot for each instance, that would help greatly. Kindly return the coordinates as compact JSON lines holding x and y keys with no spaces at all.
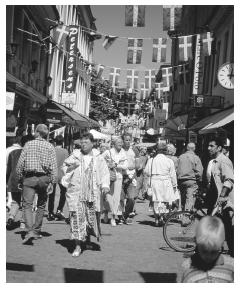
{"x":176,"y":127}
{"x":58,"y":113}
{"x":213,"y":122}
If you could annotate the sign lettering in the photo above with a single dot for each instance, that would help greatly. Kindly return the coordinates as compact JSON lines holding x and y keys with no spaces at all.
{"x":71,"y":62}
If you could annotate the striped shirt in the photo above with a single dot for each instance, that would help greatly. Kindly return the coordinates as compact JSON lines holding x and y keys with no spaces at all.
{"x":221,"y":272}
{"x":38,"y":156}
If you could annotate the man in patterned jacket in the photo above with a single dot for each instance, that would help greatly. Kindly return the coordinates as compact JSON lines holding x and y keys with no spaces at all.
{"x":36,"y":169}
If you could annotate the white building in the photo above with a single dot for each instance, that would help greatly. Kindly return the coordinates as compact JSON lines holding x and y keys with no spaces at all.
{"x":80,"y":15}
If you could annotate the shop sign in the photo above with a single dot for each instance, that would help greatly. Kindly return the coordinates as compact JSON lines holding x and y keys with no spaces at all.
{"x":10,"y":100}
{"x":71,"y":61}
{"x":192,"y":137}
{"x":69,"y":98}
{"x":198,"y":67}
{"x":53,"y":121}
{"x":11,"y":122}
{"x":208,"y":101}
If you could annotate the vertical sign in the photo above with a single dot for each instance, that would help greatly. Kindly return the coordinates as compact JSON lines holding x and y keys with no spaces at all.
{"x":198,"y":67}
{"x":71,"y":61}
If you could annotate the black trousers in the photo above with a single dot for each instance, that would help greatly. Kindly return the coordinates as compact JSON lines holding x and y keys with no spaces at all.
{"x":62,"y":198}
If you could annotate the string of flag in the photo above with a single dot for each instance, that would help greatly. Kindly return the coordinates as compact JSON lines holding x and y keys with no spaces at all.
{"x":135,"y":17}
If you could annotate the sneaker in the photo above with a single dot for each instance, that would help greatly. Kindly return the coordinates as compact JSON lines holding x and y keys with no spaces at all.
{"x":10,"y":224}
{"x":22,"y":225}
{"x":50,"y":217}
{"x":120,"y":220}
{"x":59,"y":215}
{"x":113,"y":222}
{"x":132,"y":214}
{"x":129,"y":221}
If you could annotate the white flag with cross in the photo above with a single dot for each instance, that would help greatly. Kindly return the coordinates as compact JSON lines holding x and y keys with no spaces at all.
{"x":185,"y":48}
{"x":134,"y":51}
{"x":159,"y":50}
{"x":132,"y":78}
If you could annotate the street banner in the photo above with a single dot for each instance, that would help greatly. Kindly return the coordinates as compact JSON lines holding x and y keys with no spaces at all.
{"x":167,"y":77}
{"x":93,"y":35}
{"x":134,"y":51}
{"x":81,"y":70}
{"x":159,"y":50}
{"x":10,"y":99}
{"x":132,"y":78}
{"x":135,"y":15}
{"x":171,"y":17}
{"x":184,"y":74}
{"x":59,"y":34}
{"x":108,"y":41}
{"x":185,"y":47}
{"x":143,"y":92}
{"x":149,"y":79}
{"x":70,"y":81}
{"x":159,"y":90}
{"x":114,"y":77}
{"x":207,"y":39}
{"x":198,"y":71}
{"x":100,"y":69}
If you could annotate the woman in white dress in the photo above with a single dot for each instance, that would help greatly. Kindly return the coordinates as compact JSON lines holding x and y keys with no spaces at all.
{"x":161,"y":172}
{"x":116,"y":158}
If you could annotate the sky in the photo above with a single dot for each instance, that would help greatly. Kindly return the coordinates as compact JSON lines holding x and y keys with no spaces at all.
{"x":110,"y":19}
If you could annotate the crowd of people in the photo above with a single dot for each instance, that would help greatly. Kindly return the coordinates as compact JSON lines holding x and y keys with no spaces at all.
{"x":103,"y":181}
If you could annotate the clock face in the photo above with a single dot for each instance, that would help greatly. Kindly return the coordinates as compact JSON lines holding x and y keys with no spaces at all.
{"x":226,"y":75}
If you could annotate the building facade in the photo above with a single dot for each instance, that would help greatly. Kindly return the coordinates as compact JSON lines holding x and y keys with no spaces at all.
{"x":26,"y":63}
{"x":197,"y":19}
{"x":81,"y":17}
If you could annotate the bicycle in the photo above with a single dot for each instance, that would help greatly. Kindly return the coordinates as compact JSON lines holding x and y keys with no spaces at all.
{"x":181,"y":237}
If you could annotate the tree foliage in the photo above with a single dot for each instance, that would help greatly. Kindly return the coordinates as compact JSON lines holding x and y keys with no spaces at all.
{"x":102,"y":104}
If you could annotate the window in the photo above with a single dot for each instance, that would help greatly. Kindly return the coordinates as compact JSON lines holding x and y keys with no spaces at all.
{"x":225,"y":47}
{"x":217,"y":61}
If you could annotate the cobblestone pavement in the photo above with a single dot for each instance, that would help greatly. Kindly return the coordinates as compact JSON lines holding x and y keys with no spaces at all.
{"x":129,"y":253}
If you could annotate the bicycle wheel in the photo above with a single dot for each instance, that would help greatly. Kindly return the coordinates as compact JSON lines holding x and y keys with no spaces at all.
{"x":178,"y":236}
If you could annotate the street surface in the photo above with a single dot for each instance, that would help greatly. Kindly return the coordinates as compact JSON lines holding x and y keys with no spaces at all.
{"x":129,"y":253}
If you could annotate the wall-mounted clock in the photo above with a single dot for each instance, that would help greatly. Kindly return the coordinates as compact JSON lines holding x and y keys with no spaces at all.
{"x":226,"y":75}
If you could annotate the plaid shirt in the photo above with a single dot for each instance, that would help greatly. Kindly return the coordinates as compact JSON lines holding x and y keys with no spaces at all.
{"x":38,"y":156}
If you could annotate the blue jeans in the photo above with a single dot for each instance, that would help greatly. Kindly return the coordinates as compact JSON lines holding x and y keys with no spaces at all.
{"x":31,"y":186}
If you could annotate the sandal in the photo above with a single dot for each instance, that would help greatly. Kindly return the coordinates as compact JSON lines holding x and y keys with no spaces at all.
{"x":76,"y":252}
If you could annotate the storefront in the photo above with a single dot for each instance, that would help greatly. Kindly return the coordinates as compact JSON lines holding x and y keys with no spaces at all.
{"x":58,"y":116}
{"x":220,"y":124}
